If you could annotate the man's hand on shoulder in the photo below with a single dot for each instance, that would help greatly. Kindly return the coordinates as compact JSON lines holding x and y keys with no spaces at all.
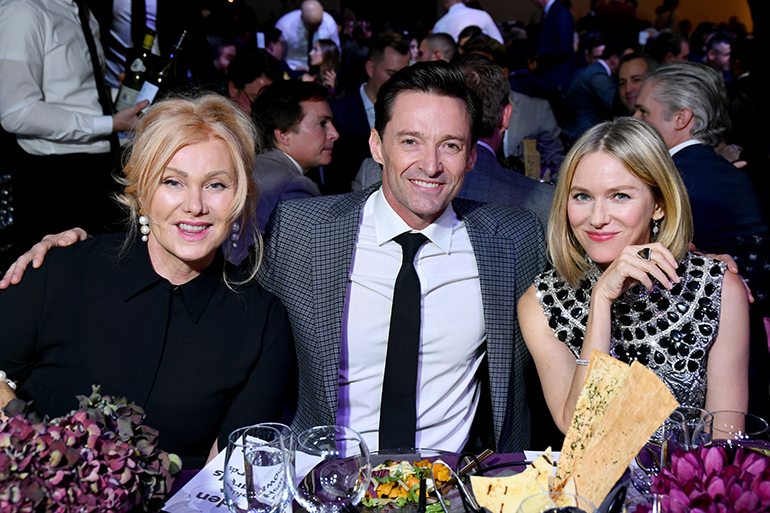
{"x":732,"y":266}
{"x":36,"y":255}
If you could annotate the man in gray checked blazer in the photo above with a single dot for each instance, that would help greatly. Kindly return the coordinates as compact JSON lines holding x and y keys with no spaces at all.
{"x":313,"y":247}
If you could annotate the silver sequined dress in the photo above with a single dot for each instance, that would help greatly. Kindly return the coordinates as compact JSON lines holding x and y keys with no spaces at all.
{"x":669,"y":331}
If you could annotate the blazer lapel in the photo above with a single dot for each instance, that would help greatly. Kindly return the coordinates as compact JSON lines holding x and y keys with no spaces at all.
{"x":334,"y":241}
{"x":495,"y":259}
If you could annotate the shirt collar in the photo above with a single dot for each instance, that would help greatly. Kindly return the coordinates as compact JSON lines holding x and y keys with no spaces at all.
{"x":692,"y":142}
{"x":142,"y":278}
{"x":604,"y":64}
{"x":388,"y":224}
{"x":296,"y":164}
{"x":368,"y":105}
{"x":547,"y":7}
{"x":484,"y":145}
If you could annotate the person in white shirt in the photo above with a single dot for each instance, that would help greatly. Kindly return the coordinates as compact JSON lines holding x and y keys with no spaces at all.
{"x":49,"y":99}
{"x":302,"y":28}
{"x":459,"y":16}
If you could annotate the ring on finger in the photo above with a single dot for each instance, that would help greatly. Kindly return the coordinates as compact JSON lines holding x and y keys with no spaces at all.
{"x":644,"y":254}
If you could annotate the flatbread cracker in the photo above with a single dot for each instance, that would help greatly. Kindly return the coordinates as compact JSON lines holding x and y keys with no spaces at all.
{"x":635,"y":413}
{"x":505,"y":494}
{"x":604,"y":380}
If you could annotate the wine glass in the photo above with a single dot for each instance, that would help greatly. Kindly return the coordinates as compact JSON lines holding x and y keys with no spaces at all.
{"x":736,"y":428}
{"x":331,"y":469}
{"x":255,"y":471}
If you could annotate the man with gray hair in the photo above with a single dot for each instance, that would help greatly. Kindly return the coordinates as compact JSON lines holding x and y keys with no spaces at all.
{"x":687,"y":103}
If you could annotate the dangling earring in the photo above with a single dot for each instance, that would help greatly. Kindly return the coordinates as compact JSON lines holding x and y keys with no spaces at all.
{"x":144,"y":228}
{"x":235,"y":234}
{"x":656,"y":225}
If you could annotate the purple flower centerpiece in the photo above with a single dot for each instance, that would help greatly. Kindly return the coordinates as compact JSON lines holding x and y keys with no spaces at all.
{"x":716,"y":479}
{"x":99,"y":458}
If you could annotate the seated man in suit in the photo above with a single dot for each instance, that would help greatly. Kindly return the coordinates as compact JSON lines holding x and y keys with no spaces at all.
{"x":354,"y":113}
{"x":687,"y":103}
{"x":333,"y":261}
{"x":296,"y":134}
{"x":488,"y":181}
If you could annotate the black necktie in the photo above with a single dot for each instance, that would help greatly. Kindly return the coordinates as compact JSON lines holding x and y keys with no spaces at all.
{"x":138,"y":22}
{"x":398,"y":409}
{"x":104,"y":99}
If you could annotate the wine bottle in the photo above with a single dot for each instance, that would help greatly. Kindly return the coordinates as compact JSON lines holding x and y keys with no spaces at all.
{"x":165,"y":78}
{"x":135,"y":73}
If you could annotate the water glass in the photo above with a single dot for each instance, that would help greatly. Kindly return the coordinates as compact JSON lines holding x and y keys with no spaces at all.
{"x":331,"y":469}
{"x":255,"y":471}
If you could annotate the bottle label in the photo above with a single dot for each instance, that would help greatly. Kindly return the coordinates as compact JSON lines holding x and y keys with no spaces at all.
{"x":126,"y":98}
{"x":138,"y":66}
{"x":148,"y":92}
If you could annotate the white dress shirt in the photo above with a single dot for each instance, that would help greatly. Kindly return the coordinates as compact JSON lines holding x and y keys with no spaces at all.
{"x":460,"y":16}
{"x":295,"y":35}
{"x":452,"y":329}
{"x":690,"y":142}
{"x":48,"y":95}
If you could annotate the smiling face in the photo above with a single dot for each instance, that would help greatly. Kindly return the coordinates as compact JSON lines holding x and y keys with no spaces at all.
{"x":425,"y":150}
{"x":630,"y":77}
{"x":311,"y":142}
{"x":190,"y":210}
{"x":609,"y":208}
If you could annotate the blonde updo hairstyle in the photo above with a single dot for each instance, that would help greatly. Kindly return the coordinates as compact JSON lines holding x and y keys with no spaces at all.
{"x":641,"y":150}
{"x":173,"y":124}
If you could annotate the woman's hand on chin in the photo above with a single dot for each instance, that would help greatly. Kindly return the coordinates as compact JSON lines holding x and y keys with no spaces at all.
{"x":630,"y":268}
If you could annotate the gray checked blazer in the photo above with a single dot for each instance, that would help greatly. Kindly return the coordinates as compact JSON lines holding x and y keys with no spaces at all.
{"x":309,"y":246}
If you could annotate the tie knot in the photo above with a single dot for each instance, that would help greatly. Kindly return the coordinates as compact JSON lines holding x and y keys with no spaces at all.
{"x":410,"y":243}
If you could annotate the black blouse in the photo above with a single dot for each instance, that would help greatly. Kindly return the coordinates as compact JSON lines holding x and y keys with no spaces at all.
{"x":200,"y":359}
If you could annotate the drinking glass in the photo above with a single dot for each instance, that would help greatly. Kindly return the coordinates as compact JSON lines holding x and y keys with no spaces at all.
{"x":255,"y":471}
{"x":546,"y":502}
{"x":737,"y":428}
{"x":695,"y":420}
{"x":674,"y":436}
{"x":331,"y":469}
{"x":655,"y":503}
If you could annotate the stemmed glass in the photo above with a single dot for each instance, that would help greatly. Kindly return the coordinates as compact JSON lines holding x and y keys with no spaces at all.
{"x":684,"y":429}
{"x":736,"y":428}
{"x":331,"y":468}
{"x":255,"y":470}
